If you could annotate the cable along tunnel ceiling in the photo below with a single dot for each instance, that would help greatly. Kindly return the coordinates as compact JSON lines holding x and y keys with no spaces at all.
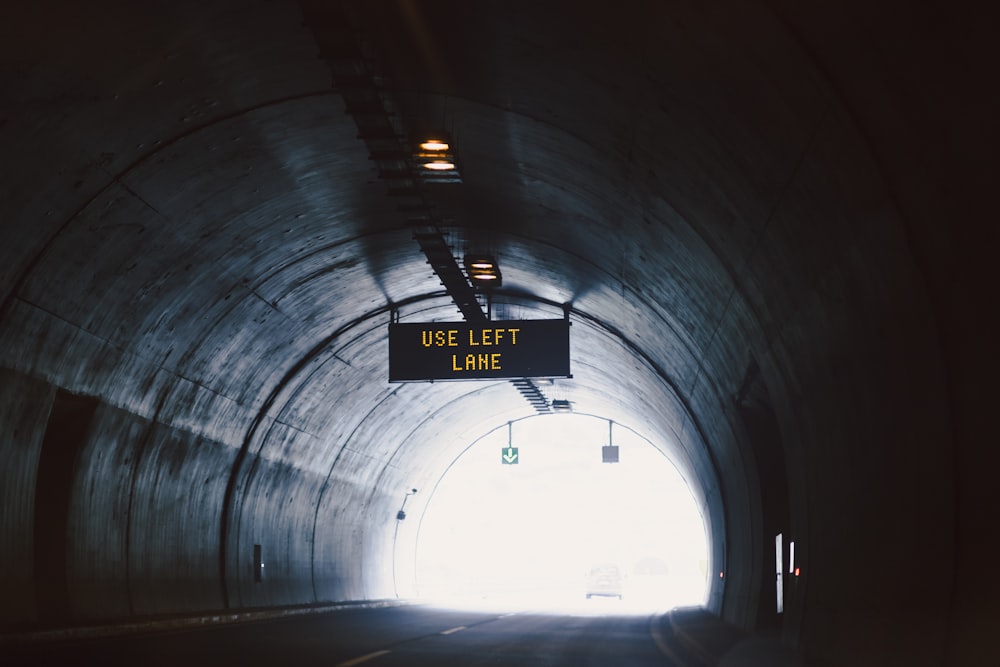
{"x":199,"y":239}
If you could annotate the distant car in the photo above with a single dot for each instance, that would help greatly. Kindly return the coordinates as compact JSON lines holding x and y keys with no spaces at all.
{"x":604,"y":581}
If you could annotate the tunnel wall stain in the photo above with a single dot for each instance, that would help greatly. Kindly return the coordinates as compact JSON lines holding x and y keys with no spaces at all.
{"x":24,"y":407}
{"x":100,"y":522}
{"x":65,"y":434}
{"x":763,"y":432}
{"x":128,"y":523}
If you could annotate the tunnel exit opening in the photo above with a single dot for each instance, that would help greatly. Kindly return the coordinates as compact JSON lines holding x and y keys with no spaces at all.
{"x":535,"y":514}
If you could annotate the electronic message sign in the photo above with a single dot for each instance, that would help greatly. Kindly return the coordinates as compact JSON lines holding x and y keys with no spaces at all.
{"x":484,"y":350}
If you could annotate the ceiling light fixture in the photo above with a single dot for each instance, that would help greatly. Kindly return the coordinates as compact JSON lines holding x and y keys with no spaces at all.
{"x":483,"y":270}
{"x":434,"y":145}
{"x":439,"y":165}
{"x":435,"y":160}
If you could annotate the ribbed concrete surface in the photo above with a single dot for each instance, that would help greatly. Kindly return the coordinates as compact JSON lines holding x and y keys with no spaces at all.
{"x":764,"y":222}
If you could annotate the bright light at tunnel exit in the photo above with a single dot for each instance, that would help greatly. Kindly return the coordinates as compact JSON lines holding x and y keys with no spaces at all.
{"x":532,"y":533}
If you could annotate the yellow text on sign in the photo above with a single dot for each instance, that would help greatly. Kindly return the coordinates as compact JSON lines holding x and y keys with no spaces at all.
{"x":480,"y":337}
{"x":476,"y":362}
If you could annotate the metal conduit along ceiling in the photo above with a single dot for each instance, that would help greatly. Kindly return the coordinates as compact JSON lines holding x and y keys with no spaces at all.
{"x":761,"y":220}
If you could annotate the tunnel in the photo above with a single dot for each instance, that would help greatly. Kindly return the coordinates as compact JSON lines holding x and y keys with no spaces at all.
{"x":765,"y":224}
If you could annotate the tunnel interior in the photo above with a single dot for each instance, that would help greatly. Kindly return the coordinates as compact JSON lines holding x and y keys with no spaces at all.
{"x":762,"y":223}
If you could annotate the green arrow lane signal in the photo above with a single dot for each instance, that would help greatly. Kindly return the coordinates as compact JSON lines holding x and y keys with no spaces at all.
{"x":508,"y":455}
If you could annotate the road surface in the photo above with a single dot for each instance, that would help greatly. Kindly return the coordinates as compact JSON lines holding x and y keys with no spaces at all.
{"x":383,"y":637}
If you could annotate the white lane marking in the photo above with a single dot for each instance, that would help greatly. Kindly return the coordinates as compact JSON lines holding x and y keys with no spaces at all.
{"x":453,"y":630}
{"x":364,"y":658}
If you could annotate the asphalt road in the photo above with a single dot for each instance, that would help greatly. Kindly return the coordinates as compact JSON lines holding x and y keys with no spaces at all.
{"x":388,"y":637}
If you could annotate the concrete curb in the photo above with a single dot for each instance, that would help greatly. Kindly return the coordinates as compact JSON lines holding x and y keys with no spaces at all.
{"x":711,"y":642}
{"x":150,"y":625}
{"x":690,"y":644}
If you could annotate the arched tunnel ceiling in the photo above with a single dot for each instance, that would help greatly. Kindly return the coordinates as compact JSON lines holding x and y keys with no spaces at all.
{"x":717,"y":197}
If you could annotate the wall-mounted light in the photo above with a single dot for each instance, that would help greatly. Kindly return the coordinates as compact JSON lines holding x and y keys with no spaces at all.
{"x":436,"y":160}
{"x":561,"y":405}
{"x":483,"y":271}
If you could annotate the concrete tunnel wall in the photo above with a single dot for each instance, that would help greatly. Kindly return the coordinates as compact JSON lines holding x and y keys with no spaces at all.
{"x":769,"y":212}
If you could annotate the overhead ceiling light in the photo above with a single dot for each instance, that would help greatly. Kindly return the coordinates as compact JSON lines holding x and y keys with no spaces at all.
{"x":483,"y":270}
{"x":482,"y":264}
{"x":439,"y":165}
{"x":435,"y":159}
{"x":434,"y":145}
{"x":561,"y":405}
